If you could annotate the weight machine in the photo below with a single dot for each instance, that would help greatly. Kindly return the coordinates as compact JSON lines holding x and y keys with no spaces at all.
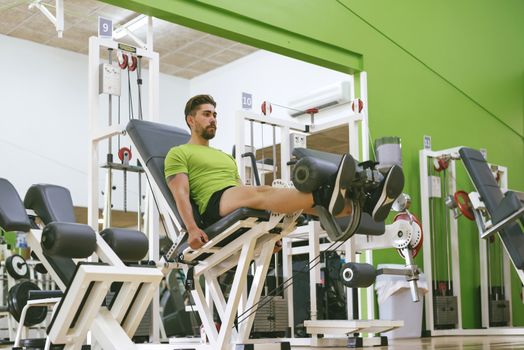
{"x":104,"y":77}
{"x":312,"y":233}
{"x":444,"y":311}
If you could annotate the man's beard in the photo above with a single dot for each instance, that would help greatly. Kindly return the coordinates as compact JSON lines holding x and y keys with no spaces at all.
{"x":209,"y":132}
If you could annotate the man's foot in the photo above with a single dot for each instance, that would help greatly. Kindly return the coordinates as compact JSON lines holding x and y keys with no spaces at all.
{"x":383,"y":197}
{"x":331,"y":196}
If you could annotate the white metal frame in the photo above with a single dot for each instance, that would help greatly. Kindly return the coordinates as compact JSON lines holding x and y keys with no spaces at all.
{"x":113,"y":328}
{"x":99,"y":133}
{"x":424,"y":157}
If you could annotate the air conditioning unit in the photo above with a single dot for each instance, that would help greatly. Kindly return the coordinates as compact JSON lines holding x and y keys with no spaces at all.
{"x":328,"y":96}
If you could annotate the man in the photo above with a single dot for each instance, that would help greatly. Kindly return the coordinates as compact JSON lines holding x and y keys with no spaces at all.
{"x":210,"y":177}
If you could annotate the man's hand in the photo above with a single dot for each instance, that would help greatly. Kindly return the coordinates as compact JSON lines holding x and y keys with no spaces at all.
{"x":196,"y":238}
{"x":179,"y":186}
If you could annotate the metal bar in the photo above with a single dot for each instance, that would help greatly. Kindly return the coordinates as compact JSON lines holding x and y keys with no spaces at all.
{"x":59,"y":25}
{"x":273,"y":121}
{"x":500,"y":225}
{"x":426,"y":227}
{"x":262,"y":266}
{"x":314,"y":273}
{"x":455,"y":272}
{"x":287,"y":274}
{"x":246,"y":255}
{"x":92,"y":176}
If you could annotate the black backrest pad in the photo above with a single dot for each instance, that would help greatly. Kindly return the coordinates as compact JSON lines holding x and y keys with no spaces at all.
{"x":153,"y":141}
{"x":51,"y":203}
{"x":492,"y":195}
{"x":482,"y":178}
{"x":12,"y":212}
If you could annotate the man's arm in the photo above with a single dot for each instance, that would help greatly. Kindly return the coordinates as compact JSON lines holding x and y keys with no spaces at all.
{"x":179,"y":186}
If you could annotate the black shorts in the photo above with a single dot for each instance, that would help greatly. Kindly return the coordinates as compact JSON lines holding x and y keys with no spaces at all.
{"x":212,"y":212}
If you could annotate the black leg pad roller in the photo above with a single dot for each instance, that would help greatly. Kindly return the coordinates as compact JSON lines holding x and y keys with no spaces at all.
{"x":68,"y":240}
{"x":357,"y":275}
{"x":129,"y":245}
{"x":310,"y":173}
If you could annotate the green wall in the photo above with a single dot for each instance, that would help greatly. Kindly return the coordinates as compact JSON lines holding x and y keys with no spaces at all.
{"x":450,"y":69}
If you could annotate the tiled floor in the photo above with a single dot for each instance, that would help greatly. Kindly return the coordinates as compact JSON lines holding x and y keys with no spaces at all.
{"x":455,"y":342}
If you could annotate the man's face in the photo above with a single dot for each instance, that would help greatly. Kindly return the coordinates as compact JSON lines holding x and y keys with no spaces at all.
{"x":204,"y":122}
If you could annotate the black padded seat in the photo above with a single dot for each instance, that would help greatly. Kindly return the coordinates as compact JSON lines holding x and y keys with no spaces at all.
{"x":224,"y":223}
{"x":492,"y":196}
{"x":51,"y":203}
{"x":153,"y":141}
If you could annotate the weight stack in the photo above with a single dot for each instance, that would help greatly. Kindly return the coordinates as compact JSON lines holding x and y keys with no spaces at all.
{"x":144,"y":328}
{"x":271,"y":319}
{"x":445,"y":312}
{"x":498,"y":313}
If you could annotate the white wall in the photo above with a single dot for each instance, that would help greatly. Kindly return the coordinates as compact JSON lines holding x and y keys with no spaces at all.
{"x":44,"y":115}
{"x":267,"y":76}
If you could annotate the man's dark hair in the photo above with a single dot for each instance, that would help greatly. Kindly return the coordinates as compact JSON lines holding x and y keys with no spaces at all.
{"x":194,"y":102}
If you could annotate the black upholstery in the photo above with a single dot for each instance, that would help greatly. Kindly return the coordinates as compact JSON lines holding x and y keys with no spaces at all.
{"x":50,"y":202}
{"x":43,"y":198}
{"x":482,"y":178}
{"x":366,"y":226}
{"x":129,"y":245}
{"x":68,"y":240}
{"x":12,"y":212}
{"x":300,"y":152}
{"x":222,"y":224}
{"x":492,"y":196}
{"x":153,"y":141}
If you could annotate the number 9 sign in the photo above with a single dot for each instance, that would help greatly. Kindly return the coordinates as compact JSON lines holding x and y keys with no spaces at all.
{"x":105,"y":27}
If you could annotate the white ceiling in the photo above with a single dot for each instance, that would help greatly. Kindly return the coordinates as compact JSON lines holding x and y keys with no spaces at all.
{"x":183,"y":52}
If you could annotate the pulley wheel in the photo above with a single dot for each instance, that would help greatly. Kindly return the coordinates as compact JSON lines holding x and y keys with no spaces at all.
{"x":464,"y":204}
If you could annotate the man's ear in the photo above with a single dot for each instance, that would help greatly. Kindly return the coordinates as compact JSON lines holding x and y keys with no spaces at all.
{"x":190,"y":120}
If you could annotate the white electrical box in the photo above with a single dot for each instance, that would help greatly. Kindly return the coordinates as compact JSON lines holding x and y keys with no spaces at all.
{"x":434,"y":187}
{"x":109,"y":79}
{"x":297,"y":140}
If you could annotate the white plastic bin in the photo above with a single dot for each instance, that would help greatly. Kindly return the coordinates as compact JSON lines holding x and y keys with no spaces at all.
{"x":395,"y":303}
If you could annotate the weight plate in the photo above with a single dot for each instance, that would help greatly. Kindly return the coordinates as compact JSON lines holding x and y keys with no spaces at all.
{"x":17,"y":299}
{"x":17,"y":267}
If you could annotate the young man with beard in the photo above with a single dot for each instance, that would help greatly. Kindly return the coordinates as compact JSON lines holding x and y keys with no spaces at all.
{"x":210,"y":177}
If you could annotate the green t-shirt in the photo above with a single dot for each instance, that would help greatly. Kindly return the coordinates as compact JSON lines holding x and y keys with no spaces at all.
{"x":208,"y":169}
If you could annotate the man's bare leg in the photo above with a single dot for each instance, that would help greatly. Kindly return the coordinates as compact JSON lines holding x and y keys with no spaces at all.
{"x":278,"y":200}
{"x":286,"y":200}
